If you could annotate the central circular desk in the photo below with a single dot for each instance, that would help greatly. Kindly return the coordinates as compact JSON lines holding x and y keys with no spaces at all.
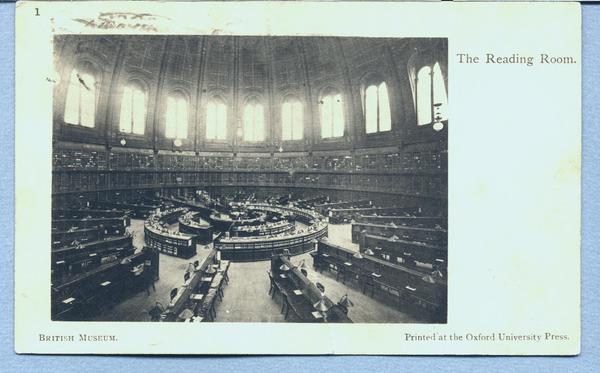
{"x":284,"y":240}
{"x":192,"y":223}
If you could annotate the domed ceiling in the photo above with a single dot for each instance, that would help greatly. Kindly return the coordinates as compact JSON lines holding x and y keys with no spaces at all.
{"x":236,"y":69}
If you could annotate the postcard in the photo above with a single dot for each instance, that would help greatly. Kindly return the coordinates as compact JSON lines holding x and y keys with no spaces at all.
{"x":297,"y":178}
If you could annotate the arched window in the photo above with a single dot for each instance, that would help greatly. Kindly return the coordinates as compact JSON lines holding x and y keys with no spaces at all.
{"x":177,"y":117}
{"x":432,"y":99}
{"x":292,"y":125}
{"x":332,"y":115}
{"x":377,"y":109}
{"x":216,"y":120}
{"x":424,"y":106}
{"x":440,"y":97}
{"x":80,"y":107}
{"x":254,"y":124}
{"x":133,"y":110}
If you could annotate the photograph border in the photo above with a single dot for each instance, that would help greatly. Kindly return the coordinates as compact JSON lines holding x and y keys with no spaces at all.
{"x":583,"y":272}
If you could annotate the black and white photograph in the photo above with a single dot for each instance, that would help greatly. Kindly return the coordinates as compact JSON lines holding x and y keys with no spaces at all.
{"x":280,"y":179}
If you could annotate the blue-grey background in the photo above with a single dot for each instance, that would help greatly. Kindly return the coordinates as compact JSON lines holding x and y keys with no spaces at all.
{"x":590,"y":355}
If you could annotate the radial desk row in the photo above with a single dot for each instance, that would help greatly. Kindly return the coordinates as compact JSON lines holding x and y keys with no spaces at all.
{"x":437,"y":236}
{"x":90,"y":293}
{"x":422,"y":293}
{"x":428,"y":256}
{"x":301,"y":296}
{"x":410,"y":221}
{"x":203,"y":286}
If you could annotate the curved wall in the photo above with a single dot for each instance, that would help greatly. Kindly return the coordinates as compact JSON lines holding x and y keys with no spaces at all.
{"x":409,"y":161}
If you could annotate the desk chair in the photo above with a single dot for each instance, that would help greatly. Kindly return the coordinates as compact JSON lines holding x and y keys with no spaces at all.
{"x":341,"y":274}
{"x":226,"y":274}
{"x":317,"y":261}
{"x":220,"y":289}
{"x":368,"y":283}
{"x":273,"y":287}
{"x":285,"y":306}
{"x":208,"y":312}
{"x":400,"y":300}
{"x":156,"y":311}
{"x":105,"y":298}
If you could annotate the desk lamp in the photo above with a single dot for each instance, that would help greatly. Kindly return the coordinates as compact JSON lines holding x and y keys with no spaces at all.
{"x":437,"y":274}
{"x":428,"y":279}
{"x":186,"y":314}
{"x":322,"y":308}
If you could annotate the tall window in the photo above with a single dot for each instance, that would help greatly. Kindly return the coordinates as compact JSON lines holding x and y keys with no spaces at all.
{"x":440,"y":97}
{"x":377,"y":109}
{"x":216,"y":120}
{"x":133,"y":110}
{"x":254,"y":125}
{"x":424,"y":107}
{"x":80,"y":108}
{"x":332,"y":116}
{"x":292,"y":126}
{"x":177,"y":117}
{"x":432,"y":100}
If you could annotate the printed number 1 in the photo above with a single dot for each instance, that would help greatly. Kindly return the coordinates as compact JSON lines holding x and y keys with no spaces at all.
{"x":37,"y":11}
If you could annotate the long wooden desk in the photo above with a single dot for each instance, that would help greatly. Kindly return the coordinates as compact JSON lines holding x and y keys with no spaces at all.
{"x":139,"y":210}
{"x":87,"y":213}
{"x":428,"y":235}
{"x":71,"y":260}
{"x":405,"y":252}
{"x":200,"y":292}
{"x":84,"y":294}
{"x":410,"y":221}
{"x":325,"y":207}
{"x":110,"y":225}
{"x":341,"y":215}
{"x":66,"y":238}
{"x":416,"y":290}
{"x":301,"y":295}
